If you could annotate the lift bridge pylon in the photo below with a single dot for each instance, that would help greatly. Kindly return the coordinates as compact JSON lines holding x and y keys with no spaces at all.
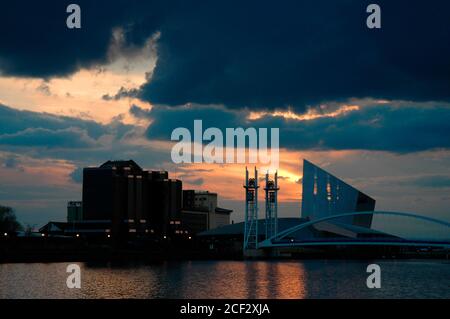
{"x":271,"y":192}
{"x":251,"y":211}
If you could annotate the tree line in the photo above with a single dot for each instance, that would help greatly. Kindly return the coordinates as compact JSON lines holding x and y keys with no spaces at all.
{"x":8,"y":220}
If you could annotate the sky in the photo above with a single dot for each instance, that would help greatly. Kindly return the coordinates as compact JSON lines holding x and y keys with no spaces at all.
{"x":372,"y":106}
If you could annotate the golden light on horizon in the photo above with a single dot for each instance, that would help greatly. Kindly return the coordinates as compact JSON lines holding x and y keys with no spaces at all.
{"x":310,"y":114}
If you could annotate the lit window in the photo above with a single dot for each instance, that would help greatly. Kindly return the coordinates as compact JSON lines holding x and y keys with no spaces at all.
{"x":315,"y":184}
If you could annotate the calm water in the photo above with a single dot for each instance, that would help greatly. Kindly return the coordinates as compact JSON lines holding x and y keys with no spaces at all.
{"x":229,"y":279}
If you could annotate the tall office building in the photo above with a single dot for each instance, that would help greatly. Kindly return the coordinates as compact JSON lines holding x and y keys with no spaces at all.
{"x":166,"y":200}
{"x":135,"y":200}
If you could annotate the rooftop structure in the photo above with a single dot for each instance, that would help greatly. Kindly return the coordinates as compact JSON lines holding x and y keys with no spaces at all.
{"x":200,"y":211}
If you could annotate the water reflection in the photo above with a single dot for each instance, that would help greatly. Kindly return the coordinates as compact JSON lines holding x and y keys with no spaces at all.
{"x":228,"y":279}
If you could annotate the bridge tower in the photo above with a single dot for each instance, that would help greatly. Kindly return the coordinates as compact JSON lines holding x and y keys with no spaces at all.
{"x":251,"y":211}
{"x":271,"y":190}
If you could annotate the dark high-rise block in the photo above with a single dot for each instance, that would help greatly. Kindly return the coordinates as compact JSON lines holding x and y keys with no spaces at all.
{"x":166,"y":200}
{"x":99,"y":191}
{"x":135,"y":200}
{"x":175,"y":199}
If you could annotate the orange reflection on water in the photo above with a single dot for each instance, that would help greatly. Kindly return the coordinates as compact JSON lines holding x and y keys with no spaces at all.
{"x":181,"y":280}
{"x":259,"y":279}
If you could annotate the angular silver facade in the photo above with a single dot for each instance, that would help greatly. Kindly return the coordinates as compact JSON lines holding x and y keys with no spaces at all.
{"x":325,"y":195}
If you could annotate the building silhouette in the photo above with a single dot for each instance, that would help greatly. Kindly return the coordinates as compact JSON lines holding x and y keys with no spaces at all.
{"x":200,"y":211}
{"x":122,"y":201}
{"x":135,"y":200}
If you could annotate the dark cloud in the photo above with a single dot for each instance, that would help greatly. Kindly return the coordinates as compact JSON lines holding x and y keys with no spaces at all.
{"x":14,"y":121}
{"x":251,"y":53}
{"x":397,"y":127}
{"x":298,"y":53}
{"x":26,"y":128}
{"x":138,"y":112}
{"x":83,"y":142}
{"x":122,"y":93}
{"x":36,"y":42}
{"x":40,"y":137}
{"x":382,"y":127}
{"x":167,"y":119}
